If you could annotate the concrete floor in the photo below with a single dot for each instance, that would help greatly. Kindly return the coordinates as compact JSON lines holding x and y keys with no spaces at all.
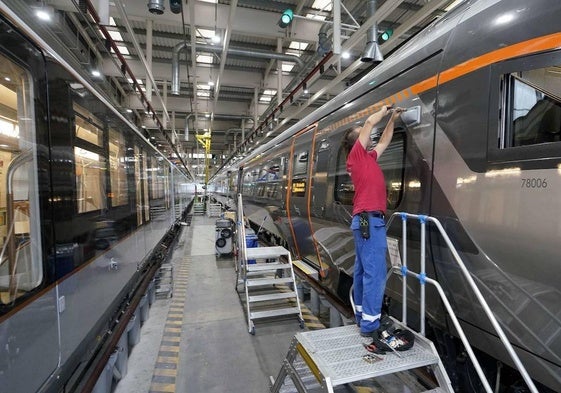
{"x":215,"y":351}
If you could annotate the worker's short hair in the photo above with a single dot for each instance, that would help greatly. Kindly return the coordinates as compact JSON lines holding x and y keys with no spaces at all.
{"x":350,"y":138}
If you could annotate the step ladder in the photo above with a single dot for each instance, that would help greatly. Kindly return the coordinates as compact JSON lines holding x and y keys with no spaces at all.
{"x":214,"y":209}
{"x":268,"y":278}
{"x":321,"y":360}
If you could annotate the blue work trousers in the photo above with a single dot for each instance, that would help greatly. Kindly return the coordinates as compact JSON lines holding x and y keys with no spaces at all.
{"x":369,"y":273}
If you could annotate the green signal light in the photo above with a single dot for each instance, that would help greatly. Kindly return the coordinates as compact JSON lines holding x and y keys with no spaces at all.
{"x":386,"y":34}
{"x":286,"y":18}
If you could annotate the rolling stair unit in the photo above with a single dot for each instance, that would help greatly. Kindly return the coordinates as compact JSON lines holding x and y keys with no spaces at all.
{"x":268,"y":281}
{"x":336,"y":356}
{"x":321,"y":360}
{"x":199,"y":206}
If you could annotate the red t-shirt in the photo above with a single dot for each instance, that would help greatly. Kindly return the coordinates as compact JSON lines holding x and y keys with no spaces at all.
{"x":368,"y":180}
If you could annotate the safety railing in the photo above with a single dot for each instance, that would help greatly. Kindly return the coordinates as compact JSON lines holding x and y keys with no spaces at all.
{"x":240,"y":230}
{"x":423,"y":279}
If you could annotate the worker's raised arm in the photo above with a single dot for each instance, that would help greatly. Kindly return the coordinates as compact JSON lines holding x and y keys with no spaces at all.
{"x":387,"y":135}
{"x":364,"y":133}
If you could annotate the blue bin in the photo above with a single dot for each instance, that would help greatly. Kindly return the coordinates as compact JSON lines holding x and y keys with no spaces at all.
{"x":251,"y":242}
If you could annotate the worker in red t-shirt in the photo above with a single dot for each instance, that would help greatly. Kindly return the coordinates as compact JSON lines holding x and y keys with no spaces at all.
{"x":368,"y":225}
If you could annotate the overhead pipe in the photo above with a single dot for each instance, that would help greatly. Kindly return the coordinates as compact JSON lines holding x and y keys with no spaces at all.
{"x":231,"y":51}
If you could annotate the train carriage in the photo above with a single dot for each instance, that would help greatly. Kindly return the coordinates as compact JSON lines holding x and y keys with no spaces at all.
{"x":479,"y":149}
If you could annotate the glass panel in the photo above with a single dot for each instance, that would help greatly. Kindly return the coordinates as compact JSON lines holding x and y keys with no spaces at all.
{"x":158,"y":204}
{"x":90,"y":180}
{"x":118,"y":169}
{"x":144,"y":179}
{"x":138,"y":186}
{"x":88,"y":126}
{"x":534,"y":107}
{"x":21,"y":268}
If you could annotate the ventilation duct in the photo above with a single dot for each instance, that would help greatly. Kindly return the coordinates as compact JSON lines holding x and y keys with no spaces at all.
{"x":324,"y":43}
{"x":372,"y":52}
{"x":156,"y":7}
{"x":231,"y":51}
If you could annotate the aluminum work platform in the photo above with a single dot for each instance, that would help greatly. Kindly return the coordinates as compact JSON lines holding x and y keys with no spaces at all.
{"x":337,"y":357}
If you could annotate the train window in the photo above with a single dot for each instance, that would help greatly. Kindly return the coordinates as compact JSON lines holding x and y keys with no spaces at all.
{"x":88,"y":126}
{"x":144,"y":185}
{"x":391,"y":163}
{"x":118,"y":169}
{"x":270,"y":171}
{"x":90,"y":180}
{"x":300,"y":163}
{"x":158,"y":203}
{"x":21,"y":268}
{"x":533,"y":107}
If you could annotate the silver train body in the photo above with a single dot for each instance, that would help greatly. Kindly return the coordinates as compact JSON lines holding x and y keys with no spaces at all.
{"x":483,"y":157}
{"x":84,"y":201}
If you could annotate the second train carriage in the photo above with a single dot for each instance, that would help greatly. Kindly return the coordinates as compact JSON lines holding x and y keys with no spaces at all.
{"x":480,"y":150}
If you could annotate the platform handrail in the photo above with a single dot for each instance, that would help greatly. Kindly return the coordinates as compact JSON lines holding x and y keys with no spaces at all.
{"x":423,"y":279}
{"x":240,"y":226}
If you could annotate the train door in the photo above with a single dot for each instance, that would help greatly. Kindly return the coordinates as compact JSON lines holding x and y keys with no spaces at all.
{"x":29,"y":338}
{"x":319,"y":197}
{"x":300,"y":192}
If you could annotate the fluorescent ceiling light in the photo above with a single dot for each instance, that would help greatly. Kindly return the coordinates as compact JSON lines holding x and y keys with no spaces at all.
{"x":270,"y":92}
{"x":205,"y":33}
{"x":316,"y":17}
{"x":203,"y":87}
{"x":265,"y":98}
{"x":298,"y":45}
{"x":139,"y":81}
{"x":123,"y":49}
{"x":204,"y":59}
{"x":116,"y":35}
{"x":324,"y":5}
{"x":287,"y":67}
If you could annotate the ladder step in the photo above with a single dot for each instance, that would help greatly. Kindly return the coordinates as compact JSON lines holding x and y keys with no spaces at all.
{"x":274,"y":313}
{"x":266,"y":266}
{"x":265,"y":252}
{"x":272,"y":296}
{"x":267,"y":281}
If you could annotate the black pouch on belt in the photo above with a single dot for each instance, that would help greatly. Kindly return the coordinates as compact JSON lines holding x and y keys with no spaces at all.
{"x":364,"y":225}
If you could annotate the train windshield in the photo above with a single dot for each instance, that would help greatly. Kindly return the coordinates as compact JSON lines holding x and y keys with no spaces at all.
{"x":20,"y":261}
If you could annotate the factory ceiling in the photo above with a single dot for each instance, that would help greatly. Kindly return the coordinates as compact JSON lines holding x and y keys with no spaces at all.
{"x":224,"y":75}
